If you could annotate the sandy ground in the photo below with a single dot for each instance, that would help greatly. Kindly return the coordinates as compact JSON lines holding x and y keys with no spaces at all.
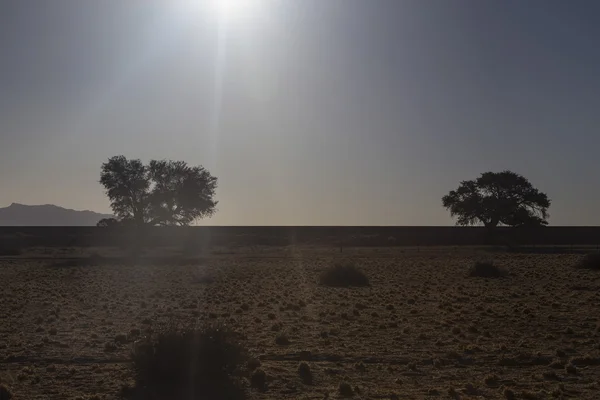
{"x":424,"y":329}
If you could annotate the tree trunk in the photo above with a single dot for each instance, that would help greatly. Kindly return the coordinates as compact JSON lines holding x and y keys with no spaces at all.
{"x":490,"y":236}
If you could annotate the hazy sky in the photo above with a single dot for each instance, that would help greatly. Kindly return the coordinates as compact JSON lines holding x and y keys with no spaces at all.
{"x":310,"y":112}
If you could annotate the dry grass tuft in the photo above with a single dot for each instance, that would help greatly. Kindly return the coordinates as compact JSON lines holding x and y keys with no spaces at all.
{"x":258,"y":380}
{"x":486,"y":269}
{"x":305,"y":373}
{"x":5,"y":394}
{"x":345,"y":390}
{"x":344,"y":275}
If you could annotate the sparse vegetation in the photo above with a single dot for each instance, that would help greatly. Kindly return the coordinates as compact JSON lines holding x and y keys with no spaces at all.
{"x":423,"y":318}
{"x":486,"y":269}
{"x":180,"y":363}
{"x":344,"y":275}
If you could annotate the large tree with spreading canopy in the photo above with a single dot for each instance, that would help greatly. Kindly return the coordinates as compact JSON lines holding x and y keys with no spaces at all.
{"x":498,"y":198}
{"x":162,"y":192}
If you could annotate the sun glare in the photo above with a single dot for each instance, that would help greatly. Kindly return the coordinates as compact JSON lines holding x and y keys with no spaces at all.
{"x":235,"y":9}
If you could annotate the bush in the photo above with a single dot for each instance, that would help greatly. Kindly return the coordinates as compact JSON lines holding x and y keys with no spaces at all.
{"x":485,"y":269}
{"x":590,"y":261}
{"x":345,"y":390}
{"x":343,"y":275}
{"x":305,"y":373}
{"x":190,"y":364}
{"x":5,"y":394}
{"x":258,"y":380}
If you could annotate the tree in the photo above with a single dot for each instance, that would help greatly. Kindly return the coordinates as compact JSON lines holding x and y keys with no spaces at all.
{"x":498,"y":198}
{"x":160,"y":193}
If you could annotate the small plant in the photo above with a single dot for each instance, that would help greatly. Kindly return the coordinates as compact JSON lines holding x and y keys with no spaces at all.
{"x":486,"y":269}
{"x":509,"y":394}
{"x":590,"y":261}
{"x":491,"y":380}
{"x":258,"y":380}
{"x":5,"y":394}
{"x":345,"y":390}
{"x":282,"y":339}
{"x":305,"y":373}
{"x":343,"y":275}
{"x":253,"y":364}
{"x":182,"y":363}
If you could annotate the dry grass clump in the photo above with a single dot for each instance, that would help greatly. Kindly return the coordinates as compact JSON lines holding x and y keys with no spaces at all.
{"x":486,"y":269}
{"x":343,"y":275}
{"x":305,"y":373}
{"x":183,"y":363}
{"x":5,"y":394}
{"x":258,"y":380}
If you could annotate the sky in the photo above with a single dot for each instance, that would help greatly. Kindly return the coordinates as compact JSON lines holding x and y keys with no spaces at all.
{"x":312,"y":112}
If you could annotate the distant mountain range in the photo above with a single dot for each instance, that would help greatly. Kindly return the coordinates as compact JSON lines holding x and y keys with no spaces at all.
{"x":47,"y":215}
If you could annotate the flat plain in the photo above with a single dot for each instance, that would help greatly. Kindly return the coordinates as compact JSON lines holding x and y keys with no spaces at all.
{"x":423,"y":329}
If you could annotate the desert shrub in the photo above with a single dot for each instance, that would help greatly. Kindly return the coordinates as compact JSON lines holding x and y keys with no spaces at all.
{"x":282,"y":339}
{"x":345,"y":390}
{"x":343,"y":275}
{"x":190,"y":364}
{"x":486,"y":269}
{"x":305,"y":373}
{"x":590,"y":261}
{"x":258,"y":380}
{"x":5,"y":394}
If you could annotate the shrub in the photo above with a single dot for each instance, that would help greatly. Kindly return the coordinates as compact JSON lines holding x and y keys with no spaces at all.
{"x":590,"y":261}
{"x":189,"y":364}
{"x":305,"y":373}
{"x":485,"y":269}
{"x":5,"y":394}
{"x":258,"y":380}
{"x":282,"y":339}
{"x":343,"y":275}
{"x":345,"y":390}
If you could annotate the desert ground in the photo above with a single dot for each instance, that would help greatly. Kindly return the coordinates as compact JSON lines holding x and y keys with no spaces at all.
{"x":423,"y":329}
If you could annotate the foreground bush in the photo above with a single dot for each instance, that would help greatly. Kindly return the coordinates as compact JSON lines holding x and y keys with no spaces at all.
{"x":343,"y":275}
{"x":486,"y":270}
{"x":5,"y":394}
{"x":590,"y":261}
{"x":190,"y":364}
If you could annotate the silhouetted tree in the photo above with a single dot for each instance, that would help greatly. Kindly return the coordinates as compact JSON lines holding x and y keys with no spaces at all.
{"x":498,"y":198}
{"x":160,"y":193}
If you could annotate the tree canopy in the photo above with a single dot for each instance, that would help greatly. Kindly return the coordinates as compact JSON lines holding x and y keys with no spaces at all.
{"x":498,"y":198}
{"x":163,"y":192}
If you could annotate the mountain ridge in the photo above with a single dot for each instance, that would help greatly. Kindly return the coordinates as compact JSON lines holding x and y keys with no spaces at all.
{"x":17,"y":214}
